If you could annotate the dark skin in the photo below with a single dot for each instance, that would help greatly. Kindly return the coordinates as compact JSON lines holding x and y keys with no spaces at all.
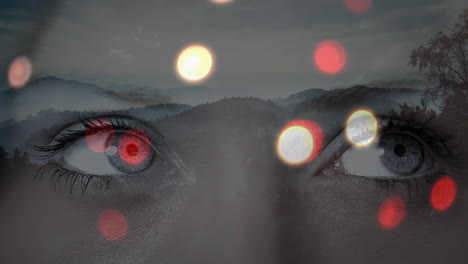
{"x":223,"y":195}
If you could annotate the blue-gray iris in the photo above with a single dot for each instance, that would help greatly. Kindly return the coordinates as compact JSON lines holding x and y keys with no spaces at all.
{"x":403,"y":154}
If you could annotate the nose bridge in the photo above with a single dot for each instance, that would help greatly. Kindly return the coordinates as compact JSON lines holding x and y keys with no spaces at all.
{"x":230,"y":216}
{"x":240,"y":211}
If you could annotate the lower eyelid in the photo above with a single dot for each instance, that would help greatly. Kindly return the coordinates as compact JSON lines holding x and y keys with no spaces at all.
{"x":70,"y":181}
{"x":325,"y":163}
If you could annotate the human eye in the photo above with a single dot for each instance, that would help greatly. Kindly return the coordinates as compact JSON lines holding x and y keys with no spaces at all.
{"x":405,"y":149}
{"x":107,"y":150}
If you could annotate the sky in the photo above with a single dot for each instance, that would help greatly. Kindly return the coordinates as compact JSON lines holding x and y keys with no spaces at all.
{"x":257,"y":43}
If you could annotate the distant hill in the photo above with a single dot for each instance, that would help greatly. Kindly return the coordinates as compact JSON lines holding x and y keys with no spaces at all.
{"x":16,"y":133}
{"x":400,"y":83}
{"x":378,"y":98}
{"x":256,"y":110}
{"x":59,"y":94}
{"x":194,"y":95}
{"x":299,"y":97}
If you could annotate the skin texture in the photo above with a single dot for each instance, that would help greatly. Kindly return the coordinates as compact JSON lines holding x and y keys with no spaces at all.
{"x":242,"y":205}
{"x":218,"y":193}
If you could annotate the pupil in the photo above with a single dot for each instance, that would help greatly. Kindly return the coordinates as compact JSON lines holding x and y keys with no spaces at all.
{"x":399,"y":150}
{"x":132,"y":149}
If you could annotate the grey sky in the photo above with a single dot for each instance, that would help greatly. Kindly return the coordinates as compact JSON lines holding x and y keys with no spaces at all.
{"x":257,"y":43}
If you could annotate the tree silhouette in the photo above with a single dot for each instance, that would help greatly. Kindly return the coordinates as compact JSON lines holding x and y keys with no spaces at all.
{"x":3,"y":159}
{"x":445,"y":61}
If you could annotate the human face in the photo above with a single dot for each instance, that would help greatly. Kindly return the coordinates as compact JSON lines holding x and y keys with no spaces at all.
{"x":100,"y":166}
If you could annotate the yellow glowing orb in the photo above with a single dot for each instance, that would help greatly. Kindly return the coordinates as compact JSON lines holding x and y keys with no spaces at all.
{"x":361,"y":128}
{"x":295,"y":145}
{"x":194,"y":63}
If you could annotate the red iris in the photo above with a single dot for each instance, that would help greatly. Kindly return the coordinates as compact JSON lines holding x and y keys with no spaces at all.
{"x":134,"y":147}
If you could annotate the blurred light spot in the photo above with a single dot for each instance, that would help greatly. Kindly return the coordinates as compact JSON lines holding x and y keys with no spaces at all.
{"x":194,"y":63}
{"x":99,"y":134}
{"x":330,"y":57}
{"x":299,"y":142}
{"x":443,"y":193}
{"x":134,"y":147}
{"x":358,"y":6}
{"x":111,"y":151}
{"x":222,"y":1}
{"x":19,"y":72}
{"x":392,"y":211}
{"x":113,"y":225}
{"x":361,"y":128}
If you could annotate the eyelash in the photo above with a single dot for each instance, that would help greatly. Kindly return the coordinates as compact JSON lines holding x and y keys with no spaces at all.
{"x":423,"y":129}
{"x":409,"y":123}
{"x":67,"y":137}
{"x":57,"y":173}
{"x":396,"y":123}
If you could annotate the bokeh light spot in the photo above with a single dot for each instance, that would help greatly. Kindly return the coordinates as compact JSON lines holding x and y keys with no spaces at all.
{"x":113,"y":225}
{"x":195,"y":63}
{"x":361,"y":128}
{"x":134,"y":147}
{"x":19,"y":72}
{"x":111,"y":151}
{"x":299,"y":142}
{"x":358,"y":6}
{"x":330,"y":57}
{"x":98,"y":134}
{"x":221,"y":2}
{"x":391,"y":213}
{"x":443,"y":193}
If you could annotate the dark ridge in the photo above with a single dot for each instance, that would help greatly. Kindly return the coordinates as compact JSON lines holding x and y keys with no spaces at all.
{"x":344,"y":97}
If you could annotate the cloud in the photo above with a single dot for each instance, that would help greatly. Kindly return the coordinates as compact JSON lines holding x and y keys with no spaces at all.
{"x":120,"y":53}
{"x":139,"y":40}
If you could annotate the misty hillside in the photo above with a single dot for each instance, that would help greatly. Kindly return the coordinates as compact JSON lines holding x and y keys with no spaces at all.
{"x":69,"y":95}
{"x":299,"y":97}
{"x":195,"y":95}
{"x":15,"y":133}
{"x":248,"y":121}
{"x":412,"y":83}
{"x":377,"y":99}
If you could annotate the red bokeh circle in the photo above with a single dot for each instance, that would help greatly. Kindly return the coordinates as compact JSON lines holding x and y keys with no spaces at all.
{"x":443,"y":193}
{"x":391,"y":213}
{"x":98,"y":135}
{"x":358,"y":6}
{"x":113,"y":225}
{"x":330,"y":57}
